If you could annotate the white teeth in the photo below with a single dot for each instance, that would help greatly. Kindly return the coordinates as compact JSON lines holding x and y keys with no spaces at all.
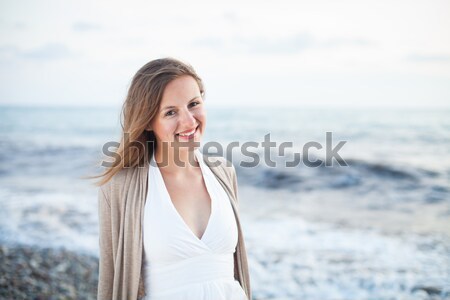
{"x":187,"y":134}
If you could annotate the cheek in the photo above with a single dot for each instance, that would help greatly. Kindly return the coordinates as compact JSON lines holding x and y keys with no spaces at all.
{"x":165,"y":128}
{"x":170,"y":127}
{"x":201,"y":116}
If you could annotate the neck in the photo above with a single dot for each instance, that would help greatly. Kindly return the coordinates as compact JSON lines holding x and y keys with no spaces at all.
{"x":176,"y":162}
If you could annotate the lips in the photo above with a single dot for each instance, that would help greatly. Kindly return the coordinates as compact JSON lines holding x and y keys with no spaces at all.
{"x":188,"y":134}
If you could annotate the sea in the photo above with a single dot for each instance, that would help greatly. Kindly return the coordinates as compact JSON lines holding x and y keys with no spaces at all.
{"x":363,"y":214}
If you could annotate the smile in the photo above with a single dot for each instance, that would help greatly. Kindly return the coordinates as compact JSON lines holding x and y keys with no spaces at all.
{"x":188,"y":135}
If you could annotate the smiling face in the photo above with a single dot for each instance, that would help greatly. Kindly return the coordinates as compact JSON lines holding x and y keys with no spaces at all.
{"x":181,"y":117}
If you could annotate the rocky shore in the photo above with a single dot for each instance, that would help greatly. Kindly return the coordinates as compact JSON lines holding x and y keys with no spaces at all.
{"x":31,"y":273}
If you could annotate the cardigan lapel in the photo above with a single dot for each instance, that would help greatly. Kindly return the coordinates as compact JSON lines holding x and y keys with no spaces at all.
{"x":241,"y":273}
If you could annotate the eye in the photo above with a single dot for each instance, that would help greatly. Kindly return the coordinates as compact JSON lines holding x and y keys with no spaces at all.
{"x":195,"y":103}
{"x":169,"y":113}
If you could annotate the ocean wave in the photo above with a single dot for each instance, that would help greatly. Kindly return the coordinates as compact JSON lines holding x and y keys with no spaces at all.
{"x":362,"y":176}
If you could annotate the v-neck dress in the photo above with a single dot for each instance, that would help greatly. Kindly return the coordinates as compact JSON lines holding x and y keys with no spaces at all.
{"x":178,"y":265}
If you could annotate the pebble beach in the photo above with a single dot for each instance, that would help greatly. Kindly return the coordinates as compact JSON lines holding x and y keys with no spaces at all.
{"x":35,"y":273}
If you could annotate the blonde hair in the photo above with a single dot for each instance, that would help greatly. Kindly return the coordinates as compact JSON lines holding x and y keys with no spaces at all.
{"x":140,"y":107}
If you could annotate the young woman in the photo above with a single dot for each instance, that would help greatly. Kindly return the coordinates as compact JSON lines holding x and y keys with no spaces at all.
{"x":169,"y":223}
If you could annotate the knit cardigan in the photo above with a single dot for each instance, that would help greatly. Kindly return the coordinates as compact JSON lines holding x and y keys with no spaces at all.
{"x":121,"y":213}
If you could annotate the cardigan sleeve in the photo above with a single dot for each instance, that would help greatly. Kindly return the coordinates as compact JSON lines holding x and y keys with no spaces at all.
{"x":106,"y":263}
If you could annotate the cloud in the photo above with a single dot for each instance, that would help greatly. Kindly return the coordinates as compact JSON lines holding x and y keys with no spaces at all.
{"x":85,"y":26}
{"x":420,"y":58}
{"x":230,"y":16}
{"x":51,"y":51}
{"x":8,"y":50}
{"x":210,"y":42}
{"x":338,"y":42}
{"x":258,"y":44}
{"x":286,"y":45}
{"x":293,"y":44}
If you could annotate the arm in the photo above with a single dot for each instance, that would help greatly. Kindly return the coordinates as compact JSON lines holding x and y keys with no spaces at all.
{"x":106,"y":263}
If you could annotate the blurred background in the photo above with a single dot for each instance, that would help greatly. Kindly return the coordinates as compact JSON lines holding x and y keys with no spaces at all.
{"x":374,"y":73}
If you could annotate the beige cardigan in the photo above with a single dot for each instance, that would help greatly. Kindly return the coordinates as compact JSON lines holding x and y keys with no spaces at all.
{"x":121,"y":211}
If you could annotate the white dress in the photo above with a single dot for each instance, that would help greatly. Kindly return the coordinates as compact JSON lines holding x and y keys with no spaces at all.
{"x":178,"y":265}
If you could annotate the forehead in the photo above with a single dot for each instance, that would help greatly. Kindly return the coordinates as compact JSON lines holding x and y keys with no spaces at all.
{"x":180,"y":90}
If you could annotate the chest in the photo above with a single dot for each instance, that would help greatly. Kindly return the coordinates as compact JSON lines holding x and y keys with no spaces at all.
{"x":191,"y":200}
{"x":187,"y":218}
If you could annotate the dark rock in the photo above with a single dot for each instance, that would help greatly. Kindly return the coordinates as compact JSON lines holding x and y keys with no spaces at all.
{"x":34,"y":273}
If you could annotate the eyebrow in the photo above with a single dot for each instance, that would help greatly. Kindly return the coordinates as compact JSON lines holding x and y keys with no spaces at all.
{"x":171,"y":106}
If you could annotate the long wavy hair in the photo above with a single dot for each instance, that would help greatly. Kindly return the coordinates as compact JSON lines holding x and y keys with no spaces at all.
{"x":140,"y":107}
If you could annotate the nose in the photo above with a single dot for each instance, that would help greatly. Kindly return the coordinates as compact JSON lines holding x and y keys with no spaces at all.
{"x":187,"y":119}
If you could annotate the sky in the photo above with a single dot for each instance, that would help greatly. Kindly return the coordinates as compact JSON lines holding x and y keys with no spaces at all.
{"x":248,"y":53}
